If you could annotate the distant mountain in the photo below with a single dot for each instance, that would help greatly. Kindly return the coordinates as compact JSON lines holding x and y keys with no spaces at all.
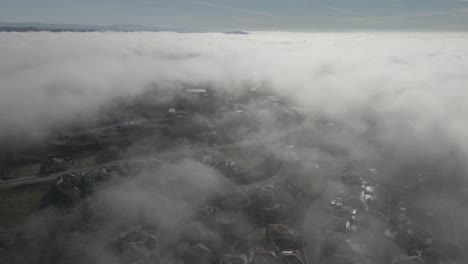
{"x":28,"y":27}
{"x":238,"y":32}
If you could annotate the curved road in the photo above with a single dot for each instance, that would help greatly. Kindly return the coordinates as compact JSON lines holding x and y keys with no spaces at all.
{"x":40,"y":179}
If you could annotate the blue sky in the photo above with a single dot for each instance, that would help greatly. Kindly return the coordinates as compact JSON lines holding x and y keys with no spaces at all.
{"x":248,"y":15}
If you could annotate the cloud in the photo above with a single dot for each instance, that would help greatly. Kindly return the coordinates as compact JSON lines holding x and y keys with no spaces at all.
{"x":51,"y":78}
{"x":230,"y":8}
{"x":397,"y":100}
{"x":390,"y":18}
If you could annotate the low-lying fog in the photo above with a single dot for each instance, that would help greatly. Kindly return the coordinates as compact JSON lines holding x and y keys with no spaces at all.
{"x":401,"y":99}
{"x":414,"y":83}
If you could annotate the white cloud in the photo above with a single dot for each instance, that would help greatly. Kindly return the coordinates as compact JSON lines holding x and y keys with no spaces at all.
{"x":398,"y":98}
{"x":414,"y":82}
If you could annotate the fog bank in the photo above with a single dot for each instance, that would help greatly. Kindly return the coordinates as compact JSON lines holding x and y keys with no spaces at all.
{"x":396,"y":100}
{"x":414,"y":79}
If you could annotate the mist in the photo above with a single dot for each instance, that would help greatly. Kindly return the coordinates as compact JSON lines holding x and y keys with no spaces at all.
{"x":47,"y":77}
{"x":398,"y":102}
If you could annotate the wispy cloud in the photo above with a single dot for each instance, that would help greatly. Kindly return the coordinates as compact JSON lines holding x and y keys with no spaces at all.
{"x":383,"y":19}
{"x":342,"y":10}
{"x":166,"y":8}
{"x":241,"y":10}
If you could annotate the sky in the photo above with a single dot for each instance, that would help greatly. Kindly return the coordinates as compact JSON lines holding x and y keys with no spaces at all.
{"x":293,"y":15}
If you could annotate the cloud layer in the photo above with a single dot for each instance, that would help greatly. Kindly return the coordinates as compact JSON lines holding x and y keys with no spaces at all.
{"x":397,"y":99}
{"x":413,"y":82}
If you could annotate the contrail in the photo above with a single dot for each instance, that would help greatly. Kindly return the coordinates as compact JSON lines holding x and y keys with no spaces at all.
{"x":342,"y":10}
{"x":243,"y":10}
{"x":381,"y":19}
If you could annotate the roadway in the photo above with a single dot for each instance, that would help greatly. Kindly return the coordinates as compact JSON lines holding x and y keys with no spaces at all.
{"x":29,"y":180}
